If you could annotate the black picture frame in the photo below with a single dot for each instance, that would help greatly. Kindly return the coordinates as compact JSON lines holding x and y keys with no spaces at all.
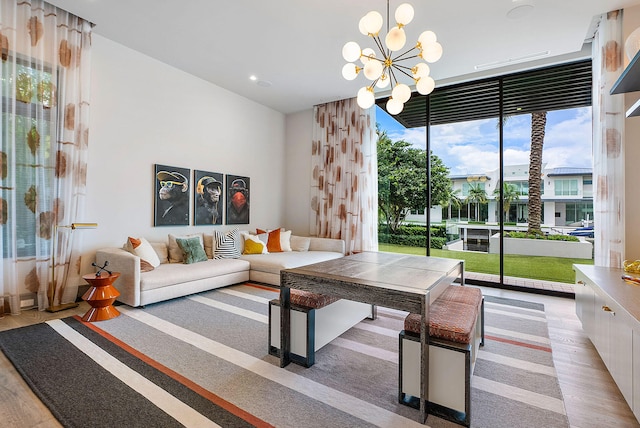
{"x":237,"y":199}
{"x":207,"y":210}
{"x":172,"y":184}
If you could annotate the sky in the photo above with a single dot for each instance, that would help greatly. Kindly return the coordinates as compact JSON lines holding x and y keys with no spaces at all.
{"x":472,"y":147}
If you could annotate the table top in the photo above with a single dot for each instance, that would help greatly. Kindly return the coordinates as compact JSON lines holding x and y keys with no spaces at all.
{"x":397,"y":277}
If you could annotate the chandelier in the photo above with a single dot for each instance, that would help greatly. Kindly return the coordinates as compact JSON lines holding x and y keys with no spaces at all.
{"x":381,"y":68}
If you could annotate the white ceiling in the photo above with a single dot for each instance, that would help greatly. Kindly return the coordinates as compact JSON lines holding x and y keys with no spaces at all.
{"x":296,"y":44}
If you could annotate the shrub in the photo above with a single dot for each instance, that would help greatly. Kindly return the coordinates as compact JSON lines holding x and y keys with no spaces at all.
{"x":537,"y":236}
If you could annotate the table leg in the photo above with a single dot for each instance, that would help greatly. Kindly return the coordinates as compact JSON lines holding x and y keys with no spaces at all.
{"x":424,"y":359}
{"x":285,"y":325}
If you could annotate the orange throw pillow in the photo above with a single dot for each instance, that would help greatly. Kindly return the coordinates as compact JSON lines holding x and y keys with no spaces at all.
{"x":273,"y":240}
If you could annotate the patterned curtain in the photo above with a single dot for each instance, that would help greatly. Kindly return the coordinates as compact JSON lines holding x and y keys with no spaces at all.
{"x":608,"y":149}
{"x":344,"y":185}
{"x":46,"y":56}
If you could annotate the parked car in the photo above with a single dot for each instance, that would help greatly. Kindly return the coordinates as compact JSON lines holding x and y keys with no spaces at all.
{"x":587,"y":232}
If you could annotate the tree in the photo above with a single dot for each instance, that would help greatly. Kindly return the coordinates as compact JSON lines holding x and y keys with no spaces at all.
{"x":402,"y":179}
{"x":509,"y":194}
{"x":477,"y":195}
{"x":451,"y":199}
{"x":538,"y":124}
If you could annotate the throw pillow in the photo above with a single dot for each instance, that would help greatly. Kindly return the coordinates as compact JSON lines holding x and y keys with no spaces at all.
{"x":227,"y":244}
{"x":207,"y":239}
{"x":277,"y":240}
{"x":143,"y":249}
{"x":300,"y":243}
{"x":192,"y":250}
{"x":175,"y":252}
{"x":145,"y":266}
{"x":253,"y":244}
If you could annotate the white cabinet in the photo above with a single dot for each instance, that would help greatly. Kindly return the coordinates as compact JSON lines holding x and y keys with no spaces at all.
{"x":609,"y":309}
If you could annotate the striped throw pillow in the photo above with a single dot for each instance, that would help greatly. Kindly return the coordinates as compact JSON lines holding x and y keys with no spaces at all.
{"x":227,"y":245}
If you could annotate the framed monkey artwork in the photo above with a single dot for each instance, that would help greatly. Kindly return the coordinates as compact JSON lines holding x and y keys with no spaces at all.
{"x":208,"y":198}
{"x":171,"y":196}
{"x":237,"y":199}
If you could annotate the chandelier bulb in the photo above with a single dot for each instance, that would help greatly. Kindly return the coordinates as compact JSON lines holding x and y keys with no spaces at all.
{"x":350,"y":71}
{"x":394,"y":106}
{"x":404,"y":14}
{"x":365,"y":97}
{"x":383,"y":81}
{"x":351,"y":51}
{"x":373,"y":69}
{"x":425,"y":85}
{"x":395,"y":39}
{"x":426,"y":38}
{"x":432,"y":52}
{"x":367,"y":54}
{"x":420,"y":70}
{"x":371,"y":23}
{"x":401,"y":93}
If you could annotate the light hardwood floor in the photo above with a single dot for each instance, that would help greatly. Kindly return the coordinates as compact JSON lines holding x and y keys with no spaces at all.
{"x":592,"y":399}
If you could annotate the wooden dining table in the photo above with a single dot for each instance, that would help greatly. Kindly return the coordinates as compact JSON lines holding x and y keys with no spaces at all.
{"x":398,"y":281}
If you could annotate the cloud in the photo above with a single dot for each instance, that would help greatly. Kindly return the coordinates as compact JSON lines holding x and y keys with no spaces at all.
{"x":472,"y":147}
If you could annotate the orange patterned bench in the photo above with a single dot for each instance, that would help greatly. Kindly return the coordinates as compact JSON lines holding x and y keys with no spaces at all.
{"x":456,"y":331}
{"x":316,"y":319}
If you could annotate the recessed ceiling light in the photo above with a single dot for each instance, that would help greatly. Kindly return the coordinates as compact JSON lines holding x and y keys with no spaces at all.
{"x":520,"y":9}
{"x":253,"y":78}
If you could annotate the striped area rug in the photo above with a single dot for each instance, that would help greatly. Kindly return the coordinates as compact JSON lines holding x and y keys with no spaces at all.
{"x":203,"y":361}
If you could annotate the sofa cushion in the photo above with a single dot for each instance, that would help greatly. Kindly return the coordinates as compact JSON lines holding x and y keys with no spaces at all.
{"x":275,"y":262}
{"x":192,"y":250}
{"x":178,"y":273}
{"x":161,"y":250}
{"x":300,"y":243}
{"x":175,"y":253}
{"x":207,"y":240}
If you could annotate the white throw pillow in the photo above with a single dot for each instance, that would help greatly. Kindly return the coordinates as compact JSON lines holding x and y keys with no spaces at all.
{"x":143,"y":249}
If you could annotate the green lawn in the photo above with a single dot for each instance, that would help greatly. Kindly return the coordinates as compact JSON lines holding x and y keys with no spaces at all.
{"x":545,"y":268}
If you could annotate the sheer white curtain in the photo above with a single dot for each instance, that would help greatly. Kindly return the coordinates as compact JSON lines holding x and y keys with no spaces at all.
{"x":608,"y":147}
{"x":46,"y":56}
{"x":344,"y":187}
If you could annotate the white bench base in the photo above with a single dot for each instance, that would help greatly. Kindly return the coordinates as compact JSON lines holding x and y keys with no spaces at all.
{"x":450,"y":370}
{"x":311,"y":329}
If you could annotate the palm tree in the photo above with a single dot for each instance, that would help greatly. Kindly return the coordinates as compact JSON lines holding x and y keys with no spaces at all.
{"x":451,"y":198}
{"x":538,"y":124}
{"x":509,"y":194}
{"x":477,"y":195}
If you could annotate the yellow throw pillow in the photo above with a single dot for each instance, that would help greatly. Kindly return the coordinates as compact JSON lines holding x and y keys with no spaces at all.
{"x":253,"y":247}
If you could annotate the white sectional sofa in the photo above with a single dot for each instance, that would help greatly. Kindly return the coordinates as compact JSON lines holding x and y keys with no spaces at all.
{"x":174,"y":278}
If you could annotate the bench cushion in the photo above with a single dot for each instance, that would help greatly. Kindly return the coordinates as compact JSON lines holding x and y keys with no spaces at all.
{"x":308,"y":299}
{"x":448,"y":320}
{"x":462,"y":294}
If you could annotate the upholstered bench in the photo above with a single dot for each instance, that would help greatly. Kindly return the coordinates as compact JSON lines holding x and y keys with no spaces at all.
{"x":456,"y":331}
{"x":316,"y":319}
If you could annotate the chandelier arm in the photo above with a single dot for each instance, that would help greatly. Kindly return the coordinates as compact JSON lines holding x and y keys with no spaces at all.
{"x":402,"y":71}
{"x":400,"y":57}
{"x":379,"y":45}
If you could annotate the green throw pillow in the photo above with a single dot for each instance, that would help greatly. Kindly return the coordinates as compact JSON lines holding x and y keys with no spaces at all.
{"x":192,"y":250}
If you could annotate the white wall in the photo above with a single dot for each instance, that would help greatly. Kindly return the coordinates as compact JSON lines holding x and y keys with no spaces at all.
{"x":297,"y":186}
{"x":145,"y":112}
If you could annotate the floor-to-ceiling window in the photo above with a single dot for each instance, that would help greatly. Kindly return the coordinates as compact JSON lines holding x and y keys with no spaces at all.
{"x":482,"y":133}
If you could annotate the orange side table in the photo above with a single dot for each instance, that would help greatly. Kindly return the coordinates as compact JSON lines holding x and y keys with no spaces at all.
{"x":101,"y":296}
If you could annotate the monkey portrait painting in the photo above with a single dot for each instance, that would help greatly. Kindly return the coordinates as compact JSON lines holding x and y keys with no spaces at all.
{"x":237,"y":199}
{"x":172,"y":196}
{"x":208,"y":198}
